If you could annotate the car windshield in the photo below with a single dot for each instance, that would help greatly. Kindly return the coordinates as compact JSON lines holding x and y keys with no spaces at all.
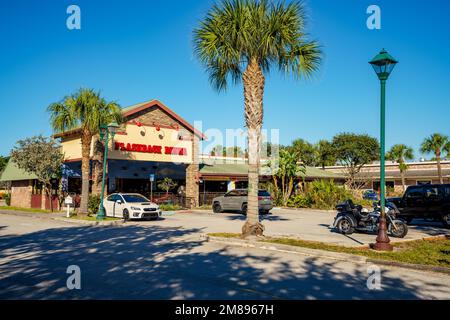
{"x":134,"y":198}
{"x":263,"y":193}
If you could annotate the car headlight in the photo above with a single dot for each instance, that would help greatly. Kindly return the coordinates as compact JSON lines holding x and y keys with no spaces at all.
{"x":135,"y":208}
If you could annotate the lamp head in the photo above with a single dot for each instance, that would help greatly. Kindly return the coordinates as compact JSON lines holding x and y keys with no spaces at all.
{"x":383,"y":64}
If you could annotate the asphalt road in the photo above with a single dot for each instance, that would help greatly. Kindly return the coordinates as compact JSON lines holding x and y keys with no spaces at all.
{"x":152,"y":261}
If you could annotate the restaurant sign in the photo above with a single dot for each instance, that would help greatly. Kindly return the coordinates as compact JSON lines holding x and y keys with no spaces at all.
{"x":144,"y":148}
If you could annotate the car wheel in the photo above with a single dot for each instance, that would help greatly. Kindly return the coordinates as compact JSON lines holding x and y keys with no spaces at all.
{"x":217,"y":208}
{"x":345,"y":226}
{"x":446,"y":220}
{"x":126,"y":215}
{"x":244,"y":209}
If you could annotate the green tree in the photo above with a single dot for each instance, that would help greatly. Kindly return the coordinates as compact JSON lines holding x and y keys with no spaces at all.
{"x":306,"y":151}
{"x":234,"y":152}
{"x":39,"y":156}
{"x":353,"y":151}
{"x":242,"y":40}
{"x":400,"y":153}
{"x":325,"y":154}
{"x":166,"y":184}
{"x":284,"y":173}
{"x":86,"y":110}
{"x":3,"y":162}
{"x":436,"y":143}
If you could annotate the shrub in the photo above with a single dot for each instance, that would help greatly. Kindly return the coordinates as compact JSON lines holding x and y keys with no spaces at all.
{"x":299,"y":201}
{"x":321,"y":194}
{"x":325,"y":194}
{"x":7,"y":198}
{"x":169,"y":207}
{"x":93,"y":204}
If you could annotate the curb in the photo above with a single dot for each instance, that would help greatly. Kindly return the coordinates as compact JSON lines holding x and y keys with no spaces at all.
{"x":63,"y":219}
{"x":304,"y":209}
{"x":91,"y":223}
{"x":286,"y":248}
{"x":323,"y":254}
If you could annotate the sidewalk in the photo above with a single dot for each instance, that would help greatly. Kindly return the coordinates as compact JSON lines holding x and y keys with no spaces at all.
{"x":59,"y":216}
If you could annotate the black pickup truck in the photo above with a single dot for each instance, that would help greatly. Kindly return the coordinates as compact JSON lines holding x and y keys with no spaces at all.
{"x":430,"y":201}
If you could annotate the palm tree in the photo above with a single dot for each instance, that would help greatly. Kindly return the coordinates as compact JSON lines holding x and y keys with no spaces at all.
{"x":86,"y":110}
{"x":400,"y":153}
{"x":241,"y":40}
{"x":436,"y":143}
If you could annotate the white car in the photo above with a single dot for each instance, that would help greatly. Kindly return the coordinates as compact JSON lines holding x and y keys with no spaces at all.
{"x":130,"y":206}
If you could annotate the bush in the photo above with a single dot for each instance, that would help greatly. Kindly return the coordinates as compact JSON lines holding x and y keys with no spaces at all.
{"x":299,"y":201}
{"x":93,"y":204}
{"x":169,"y":207}
{"x":320,"y":194}
{"x":325,"y":194}
{"x":7,"y":198}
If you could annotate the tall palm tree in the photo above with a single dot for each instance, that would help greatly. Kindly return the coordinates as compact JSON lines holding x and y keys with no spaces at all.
{"x":436,"y":143}
{"x":400,"y":153}
{"x":241,"y":40}
{"x":86,"y":110}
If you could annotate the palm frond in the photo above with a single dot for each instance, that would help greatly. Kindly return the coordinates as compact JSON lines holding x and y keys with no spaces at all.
{"x":235,"y":32}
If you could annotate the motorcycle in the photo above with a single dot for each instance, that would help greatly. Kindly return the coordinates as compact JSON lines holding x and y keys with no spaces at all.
{"x":351,"y":218}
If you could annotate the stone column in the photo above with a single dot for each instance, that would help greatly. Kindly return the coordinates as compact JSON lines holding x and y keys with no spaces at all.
{"x":192,"y":175}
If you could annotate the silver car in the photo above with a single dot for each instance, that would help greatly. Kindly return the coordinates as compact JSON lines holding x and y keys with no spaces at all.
{"x":236,"y":200}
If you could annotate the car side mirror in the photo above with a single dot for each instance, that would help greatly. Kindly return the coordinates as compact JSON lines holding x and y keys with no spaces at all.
{"x":119,"y":201}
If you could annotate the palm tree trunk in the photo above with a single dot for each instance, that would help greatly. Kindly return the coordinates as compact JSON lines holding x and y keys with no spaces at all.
{"x":97,"y":165}
{"x":438,"y":160}
{"x":86,"y":139}
{"x":402,"y":173}
{"x":253,"y":79}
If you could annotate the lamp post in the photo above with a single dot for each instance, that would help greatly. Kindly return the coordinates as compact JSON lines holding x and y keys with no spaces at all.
{"x":105,"y":131}
{"x":383,"y":64}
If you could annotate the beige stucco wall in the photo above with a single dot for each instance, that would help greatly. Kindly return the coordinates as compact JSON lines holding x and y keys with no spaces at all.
{"x":143,"y":135}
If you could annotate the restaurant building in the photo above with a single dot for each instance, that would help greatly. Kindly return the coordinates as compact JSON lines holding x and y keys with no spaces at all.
{"x":420,"y":172}
{"x":152,"y":140}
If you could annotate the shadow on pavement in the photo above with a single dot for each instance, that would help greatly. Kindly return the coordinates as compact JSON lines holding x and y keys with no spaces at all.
{"x":136,"y":262}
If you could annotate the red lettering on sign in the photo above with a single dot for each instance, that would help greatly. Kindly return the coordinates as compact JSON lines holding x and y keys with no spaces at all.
{"x":134,"y":147}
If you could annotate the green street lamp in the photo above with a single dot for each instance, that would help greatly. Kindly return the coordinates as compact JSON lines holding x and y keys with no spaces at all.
{"x":383,"y":64}
{"x":105,"y":132}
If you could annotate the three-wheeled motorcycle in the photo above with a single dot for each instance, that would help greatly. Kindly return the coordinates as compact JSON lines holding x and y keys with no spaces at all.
{"x":351,"y":218}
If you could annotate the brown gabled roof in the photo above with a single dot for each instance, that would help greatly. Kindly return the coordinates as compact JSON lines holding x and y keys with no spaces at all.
{"x":131,"y":110}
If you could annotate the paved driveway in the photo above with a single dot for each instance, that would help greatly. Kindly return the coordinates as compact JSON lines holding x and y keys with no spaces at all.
{"x":302,"y":224}
{"x":151,"y":261}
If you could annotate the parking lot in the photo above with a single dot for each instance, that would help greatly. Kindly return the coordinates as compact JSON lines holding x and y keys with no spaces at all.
{"x":302,"y":224}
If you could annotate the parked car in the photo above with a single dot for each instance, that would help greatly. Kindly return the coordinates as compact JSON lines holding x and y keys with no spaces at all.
{"x":431,"y":201}
{"x":130,"y":206}
{"x":236,"y":200}
{"x":370,"y":195}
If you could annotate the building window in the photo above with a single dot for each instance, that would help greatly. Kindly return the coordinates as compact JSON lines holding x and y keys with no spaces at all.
{"x":422,"y":182}
{"x":376,"y":185}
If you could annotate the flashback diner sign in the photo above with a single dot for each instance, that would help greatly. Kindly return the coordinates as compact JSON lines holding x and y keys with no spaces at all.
{"x":155,"y":149}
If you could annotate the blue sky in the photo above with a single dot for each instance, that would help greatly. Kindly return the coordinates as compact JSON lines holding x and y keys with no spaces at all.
{"x":137,"y":50}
